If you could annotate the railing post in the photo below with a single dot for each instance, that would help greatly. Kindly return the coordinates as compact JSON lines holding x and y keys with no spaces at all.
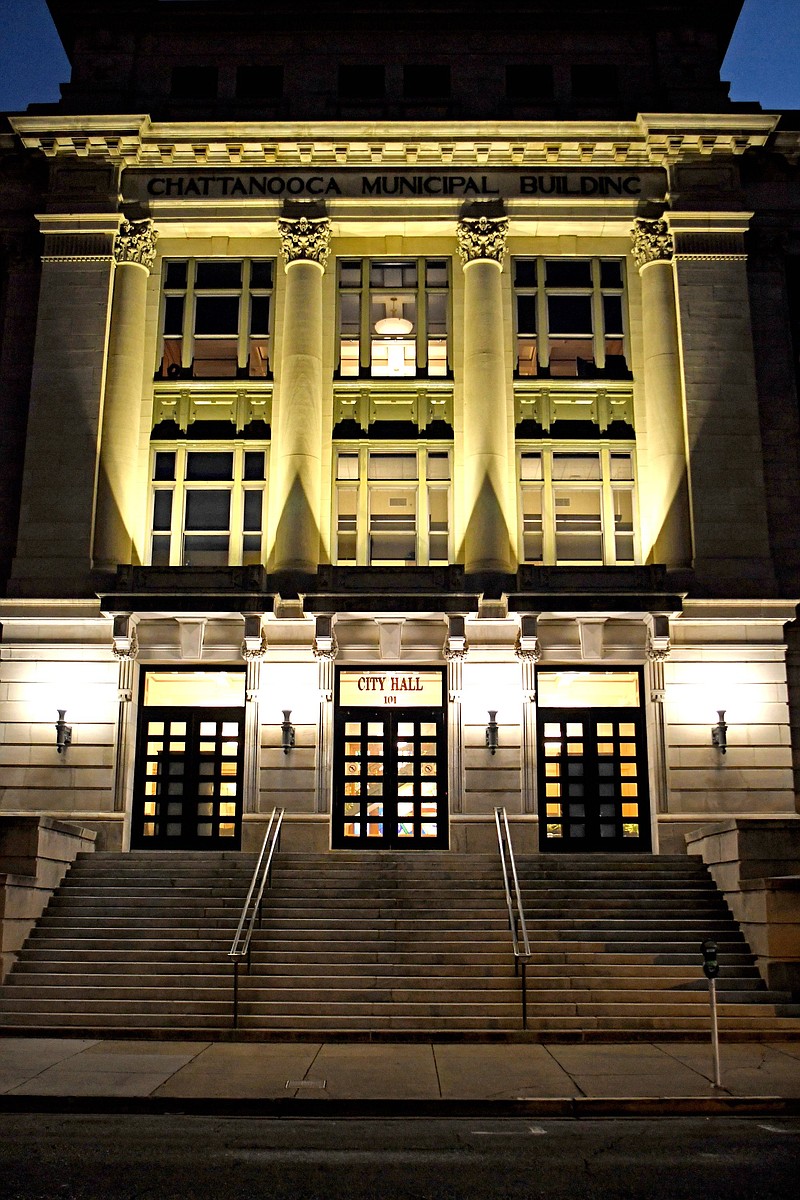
{"x":235,"y":993}
{"x":524,"y":994}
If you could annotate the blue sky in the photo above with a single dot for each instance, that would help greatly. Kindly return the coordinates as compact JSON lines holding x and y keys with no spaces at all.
{"x":763,"y":62}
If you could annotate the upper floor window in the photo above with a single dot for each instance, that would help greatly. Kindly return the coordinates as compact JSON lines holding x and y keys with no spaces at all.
{"x":392,"y":506}
{"x":207,"y":504}
{"x":570,"y":317}
{"x":577,"y":504}
{"x":215,"y":318}
{"x":393,"y":317}
{"x":193,"y":83}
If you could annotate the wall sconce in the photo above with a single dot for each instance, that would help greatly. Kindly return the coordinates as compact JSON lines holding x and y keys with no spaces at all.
{"x":287,"y":731}
{"x":492,"y":731}
{"x":63,"y":732}
{"x":719,"y":733}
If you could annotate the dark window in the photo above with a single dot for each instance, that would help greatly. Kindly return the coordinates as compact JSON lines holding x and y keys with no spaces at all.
{"x":426,"y":82}
{"x":252,"y":510}
{"x":525,"y":272}
{"x":162,"y":510}
{"x":259,"y":83}
{"x":208,"y":510}
{"x":595,"y":82}
{"x":529,"y":82}
{"x":259,"y":315}
{"x":567,"y":272}
{"x":164,"y":469}
{"x":526,"y":314}
{"x":173,"y":316}
{"x":194,"y":83}
{"x":261,"y":274}
{"x":209,"y":465}
{"x":175,"y":276}
{"x":216,"y":314}
{"x":254,"y":464}
{"x":570,"y":314}
{"x":361,"y":83}
{"x":219,"y":274}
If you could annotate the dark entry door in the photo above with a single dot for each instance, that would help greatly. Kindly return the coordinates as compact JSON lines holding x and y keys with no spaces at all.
{"x":390,"y":779}
{"x":593,"y":792}
{"x":188,"y":790}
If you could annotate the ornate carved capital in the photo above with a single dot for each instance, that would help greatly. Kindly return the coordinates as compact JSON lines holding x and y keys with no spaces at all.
{"x":253,"y":651}
{"x":136,"y":243}
{"x":652,"y":242}
{"x":658,"y":648}
{"x":305,"y":238}
{"x":325,"y":648}
{"x":482,"y":238}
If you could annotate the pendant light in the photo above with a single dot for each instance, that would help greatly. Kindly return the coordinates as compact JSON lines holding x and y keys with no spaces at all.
{"x":394,"y":324}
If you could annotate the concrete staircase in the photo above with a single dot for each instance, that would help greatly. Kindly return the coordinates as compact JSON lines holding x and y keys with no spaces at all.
{"x":357,"y":945}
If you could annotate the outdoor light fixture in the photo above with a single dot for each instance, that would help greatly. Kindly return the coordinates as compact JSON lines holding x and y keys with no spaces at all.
{"x":63,"y":732}
{"x":719,"y":732}
{"x":287,"y":731}
{"x":394,"y":324}
{"x":492,"y":731}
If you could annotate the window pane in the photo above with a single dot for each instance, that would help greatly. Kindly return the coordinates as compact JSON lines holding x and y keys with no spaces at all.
{"x":252,"y":510}
{"x":612,"y":314}
{"x":392,"y":466}
{"x":208,"y":510}
{"x":216,"y":314}
{"x":525,"y":272}
{"x":436,"y":273}
{"x":259,"y":315}
{"x":215,"y":358}
{"x":530,"y":466}
{"x":209,"y":465}
{"x":393,"y":274}
{"x":254,"y":464}
{"x":164,"y":467}
{"x":576,"y":466}
{"x":173,"y":316}
{"x":438,"y":466}
{"x":438,"y":524}
{"x":159,"y":555}
{"x":222,"y":273}
{"x":347,"y":466}
{"x":532,"y":539}
{"x":570,"y":314}
{"x":261,"y":274}
{"x":623,"y":524}
{"x":393,"y":525}
{"x":610,"y":273}
{"x":175,"y":275}
{"x":162,"y":509}
{"x":437,"y":315}
{"x":526,"y":314}
{"x":568,"y":272}
{"x":205,"y":551}
{"x":578,"y":524}
{"x":621,"y":466}
{"x":350,"y":274}
{"x":349,"y":315}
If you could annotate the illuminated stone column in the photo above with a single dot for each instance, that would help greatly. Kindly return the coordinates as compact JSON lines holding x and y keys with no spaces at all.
{"x":664,"y":490}
{"x":254,"y":646}
{"x":325,"y":653}
{"x":529,"y":653}
{"x":296,"y":463}
{"x":120,"y":492}
{"x":487,"y":456}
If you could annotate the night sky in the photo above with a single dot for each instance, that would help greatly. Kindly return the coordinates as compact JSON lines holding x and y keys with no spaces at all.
{"x":763,"y":63}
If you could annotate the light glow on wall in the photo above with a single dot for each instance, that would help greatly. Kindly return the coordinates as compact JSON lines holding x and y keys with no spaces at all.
{"x":289,"y":685}
{"x":492,"y":686}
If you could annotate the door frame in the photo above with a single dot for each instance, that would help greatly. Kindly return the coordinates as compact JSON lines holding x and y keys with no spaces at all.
{"x":340,"y":713}
{"x":645,"y":843}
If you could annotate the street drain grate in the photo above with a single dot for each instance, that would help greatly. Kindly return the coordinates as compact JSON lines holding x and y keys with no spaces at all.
{"x":321,"y":1084}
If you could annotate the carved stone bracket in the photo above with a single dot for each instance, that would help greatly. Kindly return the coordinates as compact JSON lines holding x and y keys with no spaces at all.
{"x":528,"y":652}
{"x":136,"y":243}
{"x":482,"y":238}
{"x":305,"y":239}
{"x":652,"y":242}
{"x":125,"y":647}
{"x":325,"y":651}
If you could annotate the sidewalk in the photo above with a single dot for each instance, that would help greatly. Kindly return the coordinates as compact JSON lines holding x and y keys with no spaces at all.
{"x":352,"y":1079}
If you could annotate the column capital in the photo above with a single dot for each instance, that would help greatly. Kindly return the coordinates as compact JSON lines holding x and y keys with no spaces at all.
{"x":652,"y":241}
{"x":482,"y":238}
{"x":305,"y":239}
{"x":136,"y":243}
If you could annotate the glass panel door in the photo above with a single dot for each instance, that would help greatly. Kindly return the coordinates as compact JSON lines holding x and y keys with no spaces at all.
{"x":593,"y":791}
{"x":390,"y":779}
{"x":188,"y":790}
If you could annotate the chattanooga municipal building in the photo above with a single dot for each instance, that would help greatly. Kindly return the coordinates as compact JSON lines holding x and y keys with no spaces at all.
{"x":400,"y":444}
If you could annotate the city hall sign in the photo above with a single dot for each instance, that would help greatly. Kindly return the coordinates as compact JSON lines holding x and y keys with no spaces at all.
{"x":308,"y":185}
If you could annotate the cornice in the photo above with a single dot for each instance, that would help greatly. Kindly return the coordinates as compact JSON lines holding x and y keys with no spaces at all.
{"x":650,"y":140}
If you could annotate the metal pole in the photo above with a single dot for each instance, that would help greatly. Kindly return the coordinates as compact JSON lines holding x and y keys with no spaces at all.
{"x":235,"y":993}
{"x":712,"y":992}
{"x":524,"y":995}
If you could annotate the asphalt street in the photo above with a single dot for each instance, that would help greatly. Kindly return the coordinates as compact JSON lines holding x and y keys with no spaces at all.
{"x":70,"y":1157}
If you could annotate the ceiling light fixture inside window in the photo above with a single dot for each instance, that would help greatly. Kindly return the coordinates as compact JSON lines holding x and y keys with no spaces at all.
{"x":394,"y":324}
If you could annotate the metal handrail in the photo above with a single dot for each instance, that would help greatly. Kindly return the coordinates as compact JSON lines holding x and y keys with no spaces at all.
{"x":516,"y":915}
{"x":240,"y":947}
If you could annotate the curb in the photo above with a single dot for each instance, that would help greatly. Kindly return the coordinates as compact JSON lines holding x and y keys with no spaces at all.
{"x":576,"y":1108}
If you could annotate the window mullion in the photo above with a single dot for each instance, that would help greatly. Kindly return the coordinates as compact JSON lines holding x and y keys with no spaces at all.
{"x":598,"y":318}
{"x":236,"y":510}
{"x":609,"y":544}
{"x":178,"y":503}
{"x":542,"y":318}
{"x":187,"y":349}
{"x":243,"y":349}
{"x":422,"y":510}
{"x":548,"y":508}
{"x":422,"y":316}
{"x":365,"y":310}
{"x":362,"y":523}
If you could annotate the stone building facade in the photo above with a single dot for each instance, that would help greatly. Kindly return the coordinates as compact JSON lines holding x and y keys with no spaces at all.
{"x":408,"y":430}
